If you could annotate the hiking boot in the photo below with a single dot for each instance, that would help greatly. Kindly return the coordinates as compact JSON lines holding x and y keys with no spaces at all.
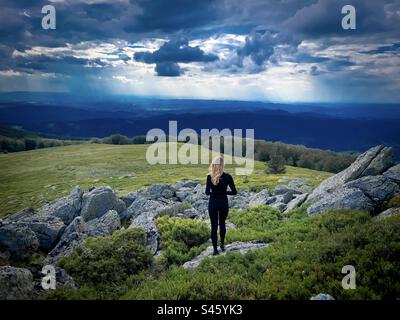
{"x":216,"y":252}
{"x":222,"y":248}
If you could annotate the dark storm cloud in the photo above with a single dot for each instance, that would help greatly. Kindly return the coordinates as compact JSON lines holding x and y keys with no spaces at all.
{"x":172,"y":52}
{"x":172,"y":15}
{"x":273,"y":29}
{"x":168,"y":69}
{"x":324,"y":17}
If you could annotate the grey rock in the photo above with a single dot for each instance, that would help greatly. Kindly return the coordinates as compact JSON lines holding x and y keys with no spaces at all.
{"x":139,"y":206}
{"x":260,"y":198}
{"x":279,"y":205}
{"x":240,"y":247}
{"x":186,"y":184}
{"x":97,"y":202}
{"x":184,"y":193}
{"x":343,"y":198}
{"x":48,"y":229}
{"x":17,"y":241}
{"x":372,"y":162}
{"x":296,"y":202}
{"x":157,"y":191}
{"x":16,"y":283}
{"x":145,"y":221}
{"x":104,"y":225}
{"x":378,"y":188}
{"x":393,"y":173}
{"x":300,"y":185}
{"x":322,"y":296}
{"x":383,"y":161}
{"x":281,"y":189}
{"x":24,"y":213}
{"x":66,"y":208}
{"x":65,"y":246}
{"x":391,"y":212}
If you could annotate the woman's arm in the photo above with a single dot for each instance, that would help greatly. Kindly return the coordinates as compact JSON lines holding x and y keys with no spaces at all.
{"x":231,"y":184}
{"x":208,"y":186}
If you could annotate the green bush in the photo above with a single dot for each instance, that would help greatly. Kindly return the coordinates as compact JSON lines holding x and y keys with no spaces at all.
{"x":108,"y":260}
{"x":181,"y":239}
{"x":305,"y":257}
{"x":394,"y":202}
{"x":118,"y":139}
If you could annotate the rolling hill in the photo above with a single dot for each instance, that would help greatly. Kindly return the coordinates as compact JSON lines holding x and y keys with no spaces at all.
{"x":30,"y":177}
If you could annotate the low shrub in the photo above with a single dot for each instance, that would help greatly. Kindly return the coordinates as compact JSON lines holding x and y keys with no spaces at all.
{"x":108,"y":260}
{"x":181,"y":239}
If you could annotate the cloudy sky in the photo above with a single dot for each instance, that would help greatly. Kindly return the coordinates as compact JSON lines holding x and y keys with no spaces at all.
{"x":272,"y":50}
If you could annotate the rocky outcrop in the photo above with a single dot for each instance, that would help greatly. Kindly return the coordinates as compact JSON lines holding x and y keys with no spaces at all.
{"x":393,"y":173}
{"x":367,"y":184}
{"x":79,"y":230}
{"x":16,"y":283}
{"x":375,"y":161}
{"x":98,"y":201}
{"x":17,"y":241}
{"x":343,"y":198}
{"x":240,"y":247}
{"x":65,"y":209}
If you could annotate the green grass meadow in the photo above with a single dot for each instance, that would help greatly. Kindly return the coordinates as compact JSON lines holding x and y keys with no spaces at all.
{"x":30,"y":177}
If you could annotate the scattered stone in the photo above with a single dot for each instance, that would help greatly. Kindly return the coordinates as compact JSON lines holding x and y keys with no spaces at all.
{"x":240,"y":247}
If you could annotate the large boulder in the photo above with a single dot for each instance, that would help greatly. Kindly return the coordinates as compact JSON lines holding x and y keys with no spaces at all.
{"x":139,"y":206}
{"x":375,"y":161}
{"x":97,"y":202}
{"x":260,"y":198}
{"x":378,"y":188}
{"x":343,"y":198}
{"x":157,"y":191}
{"x":66,"y":246}
{"x":17,"y":241}
{"x":66,"y":208}
{"x":47,"y":229}
{"x":104,"y":225}
{"x":393,"y":173}
{"x":16,"y":283}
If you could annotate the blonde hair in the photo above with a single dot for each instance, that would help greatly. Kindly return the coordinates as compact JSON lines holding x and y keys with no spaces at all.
{"x":216,"y":169}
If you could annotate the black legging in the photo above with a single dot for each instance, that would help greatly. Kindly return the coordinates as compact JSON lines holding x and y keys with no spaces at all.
{"x":218,"y":211}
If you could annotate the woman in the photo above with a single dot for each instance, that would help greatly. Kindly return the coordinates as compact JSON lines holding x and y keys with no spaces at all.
{"x":216,"y":188}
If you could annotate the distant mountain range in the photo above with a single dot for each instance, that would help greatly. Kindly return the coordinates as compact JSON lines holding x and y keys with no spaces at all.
{"x":335,"y":127}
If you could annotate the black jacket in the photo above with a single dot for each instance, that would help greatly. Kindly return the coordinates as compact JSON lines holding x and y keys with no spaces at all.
{"x":220,"y":190}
